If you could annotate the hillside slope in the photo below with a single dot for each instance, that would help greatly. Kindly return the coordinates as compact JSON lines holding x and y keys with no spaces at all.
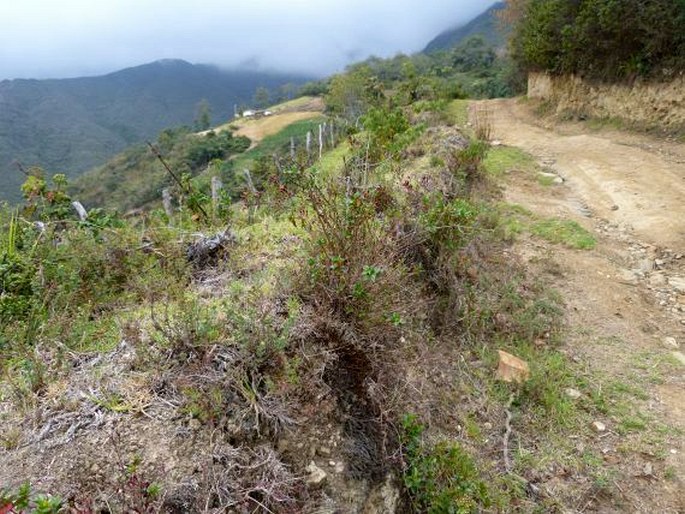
{"x":72,"y":125}
{"x":485,"y":24}
{"x":135,"y":178}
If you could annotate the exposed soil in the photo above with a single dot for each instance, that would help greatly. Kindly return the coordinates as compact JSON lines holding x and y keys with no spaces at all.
{"x":627,"y":295}
{"x":258,"y":129}
{"x":283,"y":115}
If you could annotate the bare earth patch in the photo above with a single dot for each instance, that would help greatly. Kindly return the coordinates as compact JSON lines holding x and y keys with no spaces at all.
{"x":284,"y":114}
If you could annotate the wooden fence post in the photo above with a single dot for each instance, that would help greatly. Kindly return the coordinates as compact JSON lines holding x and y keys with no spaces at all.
{"x":166,"y":202}
{"x":80,"y":210}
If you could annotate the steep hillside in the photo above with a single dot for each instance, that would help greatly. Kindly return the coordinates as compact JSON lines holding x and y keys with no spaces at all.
{"x":135,"y":177}
{"x":485,"y":24}
{"x":72,"y":125}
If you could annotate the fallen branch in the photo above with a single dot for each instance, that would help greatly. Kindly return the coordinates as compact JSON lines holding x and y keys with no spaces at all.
{"x":507,"y":433}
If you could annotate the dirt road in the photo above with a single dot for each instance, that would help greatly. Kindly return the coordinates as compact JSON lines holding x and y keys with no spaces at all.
{"x":626,"y":298}
{"x":627,"y":179}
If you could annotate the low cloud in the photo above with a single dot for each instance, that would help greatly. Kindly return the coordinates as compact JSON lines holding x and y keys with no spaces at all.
{"x":42,"y":38}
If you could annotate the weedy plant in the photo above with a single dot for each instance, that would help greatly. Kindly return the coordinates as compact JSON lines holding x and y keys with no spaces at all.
{"x":23,"y":501}
{"x":441,"y":477}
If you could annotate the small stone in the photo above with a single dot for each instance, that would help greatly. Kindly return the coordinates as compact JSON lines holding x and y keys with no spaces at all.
{"x":648,"y":470}
{"x":324,"y":451}
{"x":677,"y":283}
{"x":487,"y":425}
{"x":629,"y":276}
{"x":339,"y":467}
{"x":316,"y":474}
{"x":331,"y":463}
{"x":659,"y":263}
{"x":670,"y":343}
{"x":657,"y":279}
{"x":614,"y":207}
{"x":679,"y":357}
{"x":194,"y":424}
{"x":511,"y":368}
{"x":598,"y":426}
{"x":556,"y":179}
{"x":573,"y":394}
{"x":646,"y":265}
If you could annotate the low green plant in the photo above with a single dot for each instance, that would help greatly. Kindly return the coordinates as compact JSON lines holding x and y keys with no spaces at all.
{"x":23,"y":501}
{"x":449,"y":224}
{"x":442,"y":477}
{"x":351,"y":265}
{"x":503,"y":159}
{"x":566,"y":232}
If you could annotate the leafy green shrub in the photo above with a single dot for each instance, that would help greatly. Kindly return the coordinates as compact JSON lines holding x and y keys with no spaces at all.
{"x":601,"y":39}
{"x":440,"y":478}
{"x":448,"y":223}
{"x":204,"y":149}
{"x":466,"y":164}
{"x":24,"y":502}
{"x":389,"y":133}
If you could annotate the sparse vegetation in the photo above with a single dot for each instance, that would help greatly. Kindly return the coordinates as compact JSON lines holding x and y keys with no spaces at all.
{"x":267,"y":353}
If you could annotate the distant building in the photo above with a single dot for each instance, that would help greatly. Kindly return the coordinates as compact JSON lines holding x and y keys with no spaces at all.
{"x":251,"y":113}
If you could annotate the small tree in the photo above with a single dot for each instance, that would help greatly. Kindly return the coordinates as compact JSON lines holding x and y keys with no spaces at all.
{"x":203,"y":116}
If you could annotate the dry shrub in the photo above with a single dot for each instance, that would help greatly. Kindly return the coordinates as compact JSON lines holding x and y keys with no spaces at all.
{"x":482,"y":124}
{"x":354,"y":269}
{"x":240,"y":479}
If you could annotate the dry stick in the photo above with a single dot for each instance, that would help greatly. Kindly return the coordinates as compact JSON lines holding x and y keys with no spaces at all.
{"x":21,"y":168}
{"x":507,"y":434}
{"x":186,"y":190}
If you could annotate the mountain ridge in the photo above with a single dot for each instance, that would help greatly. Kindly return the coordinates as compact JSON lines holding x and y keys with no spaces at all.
{"x":485,"y":24}
{"x":70,"y":125}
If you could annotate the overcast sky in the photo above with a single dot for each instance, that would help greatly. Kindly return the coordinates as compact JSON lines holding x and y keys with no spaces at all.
{"x":67,"y":38}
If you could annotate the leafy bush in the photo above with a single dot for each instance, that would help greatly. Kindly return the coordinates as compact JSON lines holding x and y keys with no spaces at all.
{"x":389,"y":131}
{"x":601,"y":39}
{"x":22,"y":501}
{"x":204,"y":149}
{"x":440,"y":478}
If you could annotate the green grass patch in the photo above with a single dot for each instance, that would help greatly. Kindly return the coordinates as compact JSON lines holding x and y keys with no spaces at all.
{"x":458,"y":112}
{"x":276,"y":143}
{"x":441,"y":477}
{"x":566,"y":232}
{"x":502,"y":159}
{"x":332,"y":161}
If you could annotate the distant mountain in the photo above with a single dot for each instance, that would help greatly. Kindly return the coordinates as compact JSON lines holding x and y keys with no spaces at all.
{"x":485,"y":24}
{"x":70,"y":125}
